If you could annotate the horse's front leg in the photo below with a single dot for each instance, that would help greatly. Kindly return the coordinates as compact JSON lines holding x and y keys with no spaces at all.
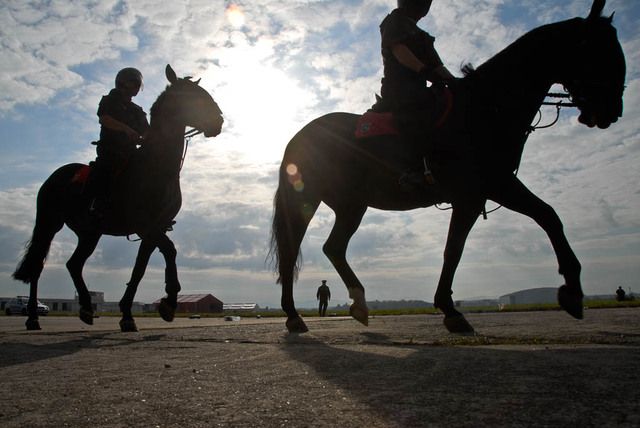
{"x":168,"y":305}
{"x":463,"y":217}
{"x":514,"y":195}
{"x":127,"y":323}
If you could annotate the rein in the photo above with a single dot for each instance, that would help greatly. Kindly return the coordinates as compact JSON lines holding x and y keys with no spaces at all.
{"x":558,"y":105}
{"x":187,"y":138}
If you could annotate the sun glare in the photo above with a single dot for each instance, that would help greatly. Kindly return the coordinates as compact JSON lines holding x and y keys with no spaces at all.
{"x":235,"y":16}
{"x":262,"y":105}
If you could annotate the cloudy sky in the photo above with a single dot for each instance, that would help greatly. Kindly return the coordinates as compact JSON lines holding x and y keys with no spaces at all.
{"x":272,"y":66}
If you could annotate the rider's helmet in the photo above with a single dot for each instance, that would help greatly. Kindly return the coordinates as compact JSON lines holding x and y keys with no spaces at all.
{"x":420,"y":6}
{"x":128,"y":74}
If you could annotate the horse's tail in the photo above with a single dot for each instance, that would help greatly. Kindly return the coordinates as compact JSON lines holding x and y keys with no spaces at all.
{"x":292,"y":212}
{"x":32,"y":263}
{"x":49,"y":221}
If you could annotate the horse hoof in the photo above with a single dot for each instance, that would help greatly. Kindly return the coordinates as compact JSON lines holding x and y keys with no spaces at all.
{"x":459,"y":325}
{"x":32,"y":324}
{"x":128,"y":326}
{"x":571,"y":301}
{"x":86,"y":316}
{"x":296,"y":325}
{"x":167,"y":312}
{"x":360,"y":313}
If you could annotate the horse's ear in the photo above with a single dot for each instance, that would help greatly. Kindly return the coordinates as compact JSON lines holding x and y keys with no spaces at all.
{"x":596,"y":9}
{"x":197,"y":82}
{"x":610,"y":19}
{"x":171,"y":75}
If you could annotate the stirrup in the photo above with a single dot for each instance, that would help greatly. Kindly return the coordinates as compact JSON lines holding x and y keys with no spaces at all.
{"x":428,"y":175}
{"x":97,"y":208}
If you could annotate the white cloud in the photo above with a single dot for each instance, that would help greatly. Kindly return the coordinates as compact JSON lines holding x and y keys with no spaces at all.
{"x":40,"y":47}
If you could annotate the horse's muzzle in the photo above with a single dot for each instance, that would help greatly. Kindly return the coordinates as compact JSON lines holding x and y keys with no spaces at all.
{"x":592,"y":120}
{"x":215,"y":130}
{"x":214,"y":133}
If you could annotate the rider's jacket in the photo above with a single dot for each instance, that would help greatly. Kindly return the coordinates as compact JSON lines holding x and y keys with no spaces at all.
{"x":116,"y":105}
{"x":400,"y":84}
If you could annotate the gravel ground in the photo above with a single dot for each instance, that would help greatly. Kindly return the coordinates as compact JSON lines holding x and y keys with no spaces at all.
{"x":521,"y":369}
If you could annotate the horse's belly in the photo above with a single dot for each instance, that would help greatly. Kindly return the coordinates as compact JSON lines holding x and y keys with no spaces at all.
{"x":400,"y":199}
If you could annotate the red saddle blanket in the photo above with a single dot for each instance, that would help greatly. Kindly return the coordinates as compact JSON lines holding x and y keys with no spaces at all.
{"x":82,"y":175}
{"x":374,"y":124}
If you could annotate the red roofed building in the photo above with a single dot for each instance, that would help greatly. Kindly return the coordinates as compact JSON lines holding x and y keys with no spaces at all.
{"x":196,"y":303}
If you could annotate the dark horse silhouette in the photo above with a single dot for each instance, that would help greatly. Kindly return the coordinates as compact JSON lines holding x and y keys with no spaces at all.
{"x":473,"y":157}
{"x":145,"y":200}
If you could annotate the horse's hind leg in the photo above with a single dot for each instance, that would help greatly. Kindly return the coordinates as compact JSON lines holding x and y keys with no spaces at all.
{"x":32,"y":322}
{"x":346,"y":224}
{"x":463,"y":217}
{"x":48,"y":223}
{"x":127,"y":323}
{"x":292,"y":213}
{"x":86,"y":245}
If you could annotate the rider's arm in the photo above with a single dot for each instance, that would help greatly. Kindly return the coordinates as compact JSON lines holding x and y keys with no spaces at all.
{"x":405,"y":57}
{"x":113,"y":124}
{"x":442,"y":73}
{"x":434,"y":72}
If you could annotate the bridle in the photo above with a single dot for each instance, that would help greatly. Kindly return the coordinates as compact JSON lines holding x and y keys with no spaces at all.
{"x":188,"y":135}
{"x":558,"y":105}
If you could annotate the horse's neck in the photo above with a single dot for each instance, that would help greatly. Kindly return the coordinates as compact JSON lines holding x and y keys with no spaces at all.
{"x":523,"y":73}
{"x":164,"y":147}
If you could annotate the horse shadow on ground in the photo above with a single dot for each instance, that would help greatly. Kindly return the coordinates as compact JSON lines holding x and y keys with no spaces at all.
{"x":16,"y":353}
{"x":426,"y":385}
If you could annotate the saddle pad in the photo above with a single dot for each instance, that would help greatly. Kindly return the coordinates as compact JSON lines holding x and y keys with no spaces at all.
{"x":372,"y":124}
{"x":82,"y":175}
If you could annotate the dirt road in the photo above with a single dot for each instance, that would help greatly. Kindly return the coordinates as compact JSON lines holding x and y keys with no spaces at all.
{"x":522,"y":369}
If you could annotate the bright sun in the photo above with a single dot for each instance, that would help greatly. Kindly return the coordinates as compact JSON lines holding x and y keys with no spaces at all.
{"x":235,"y":16}
{"x":262,"y":106}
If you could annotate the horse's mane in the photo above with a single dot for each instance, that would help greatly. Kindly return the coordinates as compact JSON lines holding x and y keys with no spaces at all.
{"x":548,"y":36}
{"x":161,"y":98}
{"x":531,"y":42}
{"x":156,"y":105}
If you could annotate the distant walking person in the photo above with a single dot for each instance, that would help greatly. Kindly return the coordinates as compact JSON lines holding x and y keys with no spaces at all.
{"x":620,"y":294}
{"x":323,"y":295}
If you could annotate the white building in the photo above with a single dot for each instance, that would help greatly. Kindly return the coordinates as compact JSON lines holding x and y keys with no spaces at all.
{"x":531,"y":296}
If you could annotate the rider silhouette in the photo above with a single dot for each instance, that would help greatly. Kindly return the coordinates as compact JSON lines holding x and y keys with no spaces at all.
{"x":409,"y":57}
{"x":410,"y":60}
{"x":123,"y":126}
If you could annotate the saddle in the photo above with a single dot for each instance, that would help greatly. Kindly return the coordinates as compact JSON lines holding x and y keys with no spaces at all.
{"x":82,"y":175}
{"x":380,"y":120}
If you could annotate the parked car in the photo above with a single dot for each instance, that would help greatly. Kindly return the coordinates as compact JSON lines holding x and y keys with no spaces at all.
{"x":19,"y":306}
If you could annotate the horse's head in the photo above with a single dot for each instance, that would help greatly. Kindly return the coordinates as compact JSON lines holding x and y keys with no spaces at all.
{"x":597,"y":70}
{"x":194,"y":106}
